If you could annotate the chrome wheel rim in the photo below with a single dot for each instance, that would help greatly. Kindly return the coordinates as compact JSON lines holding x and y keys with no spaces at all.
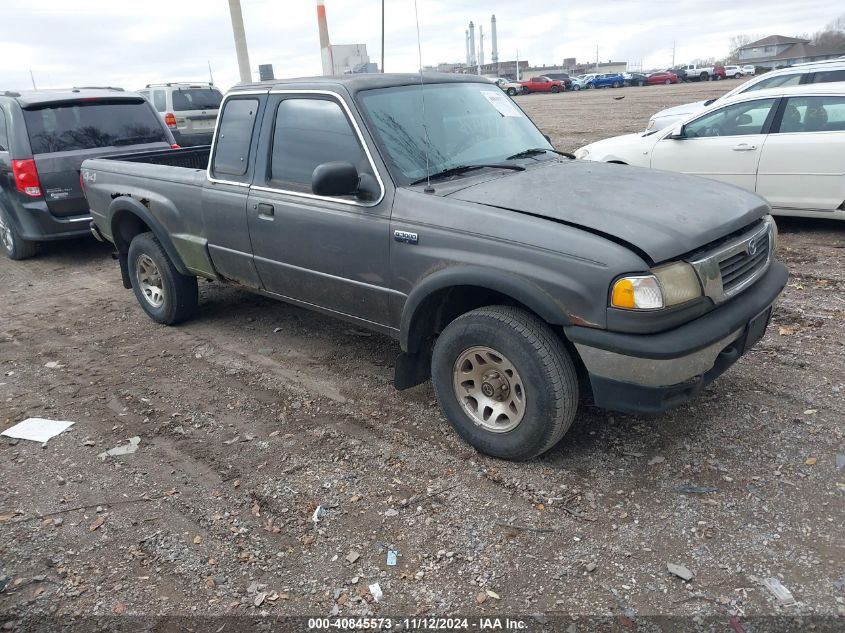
{"x":5,"y":234}
{"x":489,"y":388}
{"x":149,"y":281}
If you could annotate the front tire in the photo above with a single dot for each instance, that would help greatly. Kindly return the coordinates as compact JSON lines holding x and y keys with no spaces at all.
{"x":576,"y":87}
{"x":590,"y":86}
{"x":505,"y":382}
{"x":511,"y":92}
{"x":616,"y":84}
{"x":554,"y":90}
{"x":166,"y":295}
{"x":12,"y":243}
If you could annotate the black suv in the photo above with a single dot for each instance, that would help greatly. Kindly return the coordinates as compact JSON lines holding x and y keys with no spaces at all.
{"x":564,"y":77}
{"x":44,"y":137}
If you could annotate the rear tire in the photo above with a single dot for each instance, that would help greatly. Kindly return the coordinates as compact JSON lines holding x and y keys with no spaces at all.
{"x":590,"y":86}
{"x":166,"y":295}
{"x":616,"y":84}
{"x":704,"y":77}
{"x":12,"y":243}
{"x":667,"y":82}
{"x":533,"y":383}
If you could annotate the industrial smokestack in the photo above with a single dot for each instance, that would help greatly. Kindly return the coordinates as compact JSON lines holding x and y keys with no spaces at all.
{"x":325,"y":47}
{"x":471,"y":44}
{"x":495,"y":53}
{"x":467,"y":42}
{"x":480,"y":45}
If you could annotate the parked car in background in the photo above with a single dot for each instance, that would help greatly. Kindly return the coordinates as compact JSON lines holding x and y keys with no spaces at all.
{"x":599,"y":80}
{"x":635,"y":79}
{"x":787,"y":144}
{"x":44,"y":137}
{"x":832,"y":70}
{"x":578,"y":83}
{"x":733,"y":71}
{"x":749,"y":70}
{"x":700,"y":73}
{"x":542,"y":84}
{"x":564,"y":77}
{"x":512,"y":88}
{"x":719,"y":73}
{"x":662,"y":77}
{"x":189,"y":109}
{"x":680,"y":71}
{"x":514,"y":295}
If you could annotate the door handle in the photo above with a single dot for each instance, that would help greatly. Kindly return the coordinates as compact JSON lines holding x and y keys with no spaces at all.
{"x":266,"y":210}
{"x":744,"y":147}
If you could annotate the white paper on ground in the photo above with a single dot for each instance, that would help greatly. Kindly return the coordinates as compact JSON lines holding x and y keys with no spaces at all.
{"x":37,"y":429}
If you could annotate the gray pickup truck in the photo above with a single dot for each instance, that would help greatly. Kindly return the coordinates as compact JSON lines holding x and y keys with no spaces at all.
{"x":440,"y":215}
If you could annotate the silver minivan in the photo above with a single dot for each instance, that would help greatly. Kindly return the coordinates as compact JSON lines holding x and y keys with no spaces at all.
{"x":189,"y":109}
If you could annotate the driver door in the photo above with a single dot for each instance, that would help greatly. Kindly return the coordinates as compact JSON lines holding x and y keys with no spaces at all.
{"x":725,"y":144}
{"x":328,"y":252}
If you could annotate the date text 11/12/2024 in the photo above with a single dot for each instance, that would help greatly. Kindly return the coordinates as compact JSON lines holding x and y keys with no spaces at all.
{"x":419,"y":624}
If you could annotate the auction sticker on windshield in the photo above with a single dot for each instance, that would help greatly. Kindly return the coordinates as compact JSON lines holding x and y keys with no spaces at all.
{"x":502,"y":103}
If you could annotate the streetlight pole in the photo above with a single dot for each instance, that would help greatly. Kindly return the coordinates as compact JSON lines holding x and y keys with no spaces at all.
{"x":240,"y":40}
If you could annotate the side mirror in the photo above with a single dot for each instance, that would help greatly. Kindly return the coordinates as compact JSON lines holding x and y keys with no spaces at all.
{"x":548,"y":138}
{"x":677,"y":134}
{"x":334,"y":179}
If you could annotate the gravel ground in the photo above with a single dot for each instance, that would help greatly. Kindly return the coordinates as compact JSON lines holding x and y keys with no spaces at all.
{"x":277,"y":467}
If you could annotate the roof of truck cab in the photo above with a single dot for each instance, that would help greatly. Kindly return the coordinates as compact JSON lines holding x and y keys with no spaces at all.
{"x":27,"y":98}
{"x":363,"y":81}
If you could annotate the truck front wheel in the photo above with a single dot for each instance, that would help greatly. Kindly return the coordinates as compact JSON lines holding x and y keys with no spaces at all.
{"x":166,"y":295}
{"x":505,"y":382}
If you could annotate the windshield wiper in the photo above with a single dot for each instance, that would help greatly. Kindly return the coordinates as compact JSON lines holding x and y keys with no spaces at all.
{"x":526,"y":153}
{"x":460,"y":169}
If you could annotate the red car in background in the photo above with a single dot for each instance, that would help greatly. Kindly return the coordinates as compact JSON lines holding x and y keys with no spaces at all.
{"x":542,"y":84}
{"x":719,"y":72}
{"x":662,"y":77}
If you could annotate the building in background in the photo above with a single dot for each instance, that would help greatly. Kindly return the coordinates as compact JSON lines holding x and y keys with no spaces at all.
{"x":777,"y":50}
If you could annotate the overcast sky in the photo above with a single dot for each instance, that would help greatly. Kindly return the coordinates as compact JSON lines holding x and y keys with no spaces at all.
{"x":130,"y":43}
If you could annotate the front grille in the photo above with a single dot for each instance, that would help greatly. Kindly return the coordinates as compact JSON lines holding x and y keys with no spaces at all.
{"x":733,"y":265}
{"x":739,"y":268}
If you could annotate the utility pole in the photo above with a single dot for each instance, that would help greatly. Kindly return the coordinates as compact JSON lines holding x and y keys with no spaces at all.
{"x":31,"y":76}
{"x":517,"y":64}
{"x":210,"y":74}
{"x":597,"y":57}
{"x":240,"y":40}
{"x":673,"y":53}
{"x":382,"y":35}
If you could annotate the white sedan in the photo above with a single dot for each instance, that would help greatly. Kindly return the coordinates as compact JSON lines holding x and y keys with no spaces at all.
{"x":787,"y":144}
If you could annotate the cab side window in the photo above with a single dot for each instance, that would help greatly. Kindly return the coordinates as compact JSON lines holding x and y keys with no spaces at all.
{"x":231,"y":152}
{"x":4,"y":133}
{"x":813,"y":114}
{"x":734,"y":120}
{"x":307,"y":133}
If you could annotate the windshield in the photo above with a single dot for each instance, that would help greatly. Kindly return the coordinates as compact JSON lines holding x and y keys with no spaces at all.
{"x":85,"y":125}
{"x":465,"y":124}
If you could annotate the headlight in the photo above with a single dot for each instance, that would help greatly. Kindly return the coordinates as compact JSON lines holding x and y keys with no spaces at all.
{"x":582,"y":154}
{"x":667,"y":286}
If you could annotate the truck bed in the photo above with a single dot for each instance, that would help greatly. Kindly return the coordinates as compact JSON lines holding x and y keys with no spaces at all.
{"x":190,"y":157}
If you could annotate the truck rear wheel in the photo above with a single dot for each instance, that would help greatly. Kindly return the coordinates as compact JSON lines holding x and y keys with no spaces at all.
{"x":505,"y":382}
{"x":165,"y":294}
{"x":13,"y":244}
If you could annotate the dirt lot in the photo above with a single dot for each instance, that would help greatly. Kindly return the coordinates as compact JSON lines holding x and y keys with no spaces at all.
{"x":255,"y":413}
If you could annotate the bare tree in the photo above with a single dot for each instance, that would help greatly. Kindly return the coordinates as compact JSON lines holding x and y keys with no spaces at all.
{"x":833,"y":34}
{"x":737,"y":42}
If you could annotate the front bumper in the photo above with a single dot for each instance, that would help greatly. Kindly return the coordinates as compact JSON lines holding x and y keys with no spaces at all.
{"x":650,"y":373}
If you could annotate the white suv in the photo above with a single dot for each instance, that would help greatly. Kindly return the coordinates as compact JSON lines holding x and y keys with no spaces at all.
{"x":811,"y":73}
{"x":188,"y":109}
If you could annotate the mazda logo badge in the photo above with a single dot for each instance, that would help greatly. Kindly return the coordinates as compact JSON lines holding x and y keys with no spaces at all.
{"x":752,"y":248}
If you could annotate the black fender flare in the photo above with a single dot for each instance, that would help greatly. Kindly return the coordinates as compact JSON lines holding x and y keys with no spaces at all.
{"x":123,"y":205}
{"x":517,"y":288}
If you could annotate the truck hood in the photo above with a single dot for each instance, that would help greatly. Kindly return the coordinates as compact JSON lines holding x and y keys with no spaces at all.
{"x":661,"y":214}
